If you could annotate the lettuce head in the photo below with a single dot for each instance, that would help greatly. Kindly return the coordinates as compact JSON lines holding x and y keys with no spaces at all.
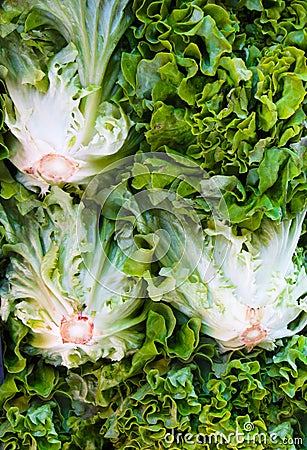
{"x":59,"y":105}
{"x":65,"y":282}
{"x":248,"y":289}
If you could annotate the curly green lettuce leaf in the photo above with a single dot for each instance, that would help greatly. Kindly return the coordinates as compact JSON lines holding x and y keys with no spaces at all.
{"x":32,"y":428}
{"x":30,"y":421}
{"x":34,"y":401}
{"x":231,"y":101}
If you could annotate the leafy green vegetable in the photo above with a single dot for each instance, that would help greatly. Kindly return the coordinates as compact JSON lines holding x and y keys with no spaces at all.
{"x":209,"y":401}
{"x":59,"y":105}
{"x":108,"y":405}
{"x":207,"y":218}
{"x":246,"y":289}
{"x":35,"y":423}
{"x":225,"y":84}
{"x":61,"y":292}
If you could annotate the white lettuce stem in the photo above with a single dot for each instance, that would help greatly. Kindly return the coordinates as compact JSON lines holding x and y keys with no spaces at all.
{"x":89,"y":107}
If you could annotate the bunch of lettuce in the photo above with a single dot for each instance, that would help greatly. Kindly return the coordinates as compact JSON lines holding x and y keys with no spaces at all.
{"x":174,"y":399}
{"x":225,"y":84}
{"x":162,"y":304}
{"x":60,"y":63}
{"x":248,"y":288}
{"x":175,"y":381}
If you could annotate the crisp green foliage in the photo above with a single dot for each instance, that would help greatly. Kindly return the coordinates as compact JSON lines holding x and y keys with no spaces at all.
{"x":153,"y":293}
{"x":54,"y":286}
{"x":225,"y":84}
{"x":127,"y":405}
{"x":58,"y":103}
{"x":246,"y":289}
